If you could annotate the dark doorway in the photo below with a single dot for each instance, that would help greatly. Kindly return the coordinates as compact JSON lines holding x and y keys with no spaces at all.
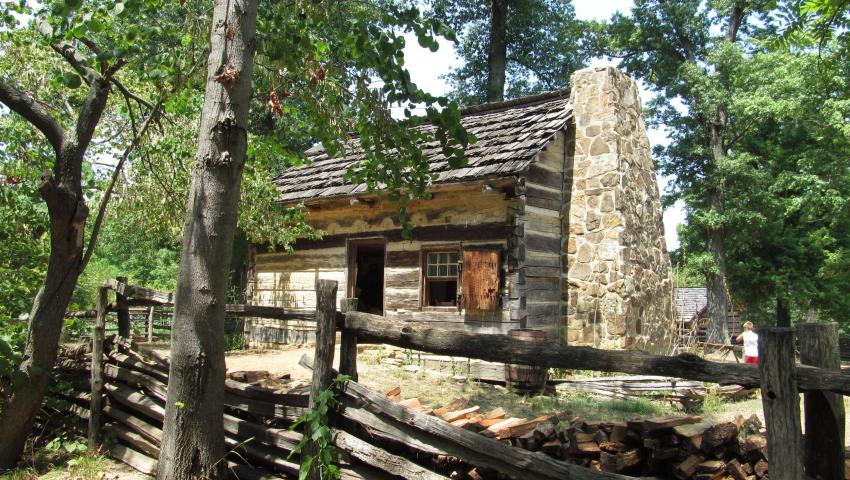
{"x":368,"y":276}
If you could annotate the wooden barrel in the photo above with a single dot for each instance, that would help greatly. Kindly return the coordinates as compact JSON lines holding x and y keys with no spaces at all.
{"x":526,"y":379}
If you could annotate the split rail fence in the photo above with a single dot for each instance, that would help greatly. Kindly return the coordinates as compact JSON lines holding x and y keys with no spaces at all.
{"x":384,"y":439}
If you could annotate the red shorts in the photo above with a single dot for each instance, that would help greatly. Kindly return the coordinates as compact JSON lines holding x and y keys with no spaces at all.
{"x":749,"y":359}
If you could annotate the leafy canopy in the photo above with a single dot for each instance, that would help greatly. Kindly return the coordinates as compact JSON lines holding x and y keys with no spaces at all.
{"x":545,"y":44}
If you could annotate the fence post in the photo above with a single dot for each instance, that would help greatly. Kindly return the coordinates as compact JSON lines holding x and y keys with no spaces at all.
{"x":324,"y":356}
{"x":123,"y":312}
{"x":781,"y":402}
{"x":348,"y":347}
{"x":823,"y":449}
{"x":96,"y":402}
{"x":150,"y":324}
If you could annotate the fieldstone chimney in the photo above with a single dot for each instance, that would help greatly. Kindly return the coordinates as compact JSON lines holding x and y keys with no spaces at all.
{"x":618,"y":270}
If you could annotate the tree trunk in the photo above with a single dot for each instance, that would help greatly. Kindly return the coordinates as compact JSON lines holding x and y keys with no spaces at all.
{"x":497,"y":51}
{"x":783,"y":314}
{"x":717,"y":330}
{"x":68,"y":212}
{"x":193,"y":432}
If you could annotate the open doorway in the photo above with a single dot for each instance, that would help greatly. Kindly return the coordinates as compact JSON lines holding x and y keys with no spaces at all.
{"x":366,"y":271}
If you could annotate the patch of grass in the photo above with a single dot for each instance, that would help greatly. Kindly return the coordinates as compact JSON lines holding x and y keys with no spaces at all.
{"x":47,"y":464}
{"x":88,"y":467}
{"x":435,"y":390}
{"x":712,"y":403}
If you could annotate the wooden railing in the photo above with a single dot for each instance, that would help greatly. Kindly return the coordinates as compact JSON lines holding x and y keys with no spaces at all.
{"x":777,"y":375}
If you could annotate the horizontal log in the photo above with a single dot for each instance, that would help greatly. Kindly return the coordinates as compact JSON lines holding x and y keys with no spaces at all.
{"x":152,"y":357}
{"x":277,"y":313}
{"x":138,"y":461}
{"x":262,"y":408}
{"x":143,"y":428}
{"x":285,"y":440}
{"x":266,"y":456}
{"x":472,"y":447}
{"x":132,"y":377}
{"x":133,"y":363}
{"x":502,"y":348}
{"x":135,"y":401}
{"x":384,"y":431}
{"x":146,"y":296}
{"x":381,"y":459}
{"x":254,"y":392}
{"x":133,"y":439}
{"x":141,"y":293}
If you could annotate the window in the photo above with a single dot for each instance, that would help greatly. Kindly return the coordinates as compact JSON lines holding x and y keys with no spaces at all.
{"x":441,"y":279}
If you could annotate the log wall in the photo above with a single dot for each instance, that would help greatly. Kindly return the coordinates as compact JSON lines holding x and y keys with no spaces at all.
{"x":541,"y":240}
{"x":455,"y":217}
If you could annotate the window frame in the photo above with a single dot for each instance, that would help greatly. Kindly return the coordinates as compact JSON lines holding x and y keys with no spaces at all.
{"x":426,"y":279}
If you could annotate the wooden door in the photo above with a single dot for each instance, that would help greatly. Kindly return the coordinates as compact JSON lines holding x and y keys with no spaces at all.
{"x":480,"y":279}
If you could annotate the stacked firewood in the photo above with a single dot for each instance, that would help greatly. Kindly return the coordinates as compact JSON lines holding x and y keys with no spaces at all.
{"x":669,"y":447}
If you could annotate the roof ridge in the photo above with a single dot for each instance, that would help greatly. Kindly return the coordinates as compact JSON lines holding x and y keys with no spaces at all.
{"x":528,"y":101}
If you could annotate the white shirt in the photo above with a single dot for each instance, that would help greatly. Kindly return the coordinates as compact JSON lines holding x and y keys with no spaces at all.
{"x":751,"y":344}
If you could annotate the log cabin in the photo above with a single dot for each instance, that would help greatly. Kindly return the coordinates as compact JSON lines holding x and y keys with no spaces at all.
{"x":554,"y":224}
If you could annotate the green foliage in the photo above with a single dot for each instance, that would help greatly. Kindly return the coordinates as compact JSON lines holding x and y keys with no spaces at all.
{"x":315,"y":421}
{"x":784,"y":175}
{"x":545,"y":44}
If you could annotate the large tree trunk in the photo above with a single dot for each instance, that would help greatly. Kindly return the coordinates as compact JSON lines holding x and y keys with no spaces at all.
{"x":193,"y":434}
{"x":497,"y":52}
{"x":717,"y":330}
{"x":68,"y":212}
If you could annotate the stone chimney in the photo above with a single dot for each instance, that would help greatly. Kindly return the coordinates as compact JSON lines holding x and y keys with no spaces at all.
{"x":618,"y":270}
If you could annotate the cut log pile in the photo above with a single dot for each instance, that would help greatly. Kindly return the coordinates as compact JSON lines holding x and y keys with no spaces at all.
{"x":669,"y":447}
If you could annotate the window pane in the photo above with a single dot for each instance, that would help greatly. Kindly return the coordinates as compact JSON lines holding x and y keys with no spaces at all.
{"x":453,"y":257}
{"x":453,"y":270}
{"x":432,"y":270}
{"x":444,"y":258}
{"x":432,"y":258}
{"x":444,"y":270}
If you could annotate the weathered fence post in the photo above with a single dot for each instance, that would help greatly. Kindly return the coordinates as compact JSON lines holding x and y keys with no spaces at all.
{"x":781,"y":402}
{"x":823,"y":453}
{"x":150,"y":324}
{"x":124,"y":327}
{"x":348,"y":347}
{"x":96,"y":403}
{"x":324,"y":357}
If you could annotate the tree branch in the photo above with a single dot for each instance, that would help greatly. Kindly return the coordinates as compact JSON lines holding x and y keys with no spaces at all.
{"x":128,"y":94}
{"x":69,"y":53}
{"x":101,"y":211}
{"x":91,"y":111}
{"x":26,"y":106}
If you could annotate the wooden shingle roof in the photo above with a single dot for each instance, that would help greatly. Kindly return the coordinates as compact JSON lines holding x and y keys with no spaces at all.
{"x":509,"y":134}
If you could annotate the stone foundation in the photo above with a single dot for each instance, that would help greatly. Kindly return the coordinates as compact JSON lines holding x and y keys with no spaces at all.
{"x":619,"y":291}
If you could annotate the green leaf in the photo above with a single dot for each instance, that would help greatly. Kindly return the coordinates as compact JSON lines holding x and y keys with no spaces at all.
{"x":304,"y":470}
{"x":71,"y":80}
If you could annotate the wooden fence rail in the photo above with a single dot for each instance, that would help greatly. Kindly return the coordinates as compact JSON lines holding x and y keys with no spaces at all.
{"x":778,"y":376}
{"x":502,"y":348}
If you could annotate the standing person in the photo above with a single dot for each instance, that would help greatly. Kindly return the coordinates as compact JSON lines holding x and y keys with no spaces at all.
{"x":750,"y":339}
